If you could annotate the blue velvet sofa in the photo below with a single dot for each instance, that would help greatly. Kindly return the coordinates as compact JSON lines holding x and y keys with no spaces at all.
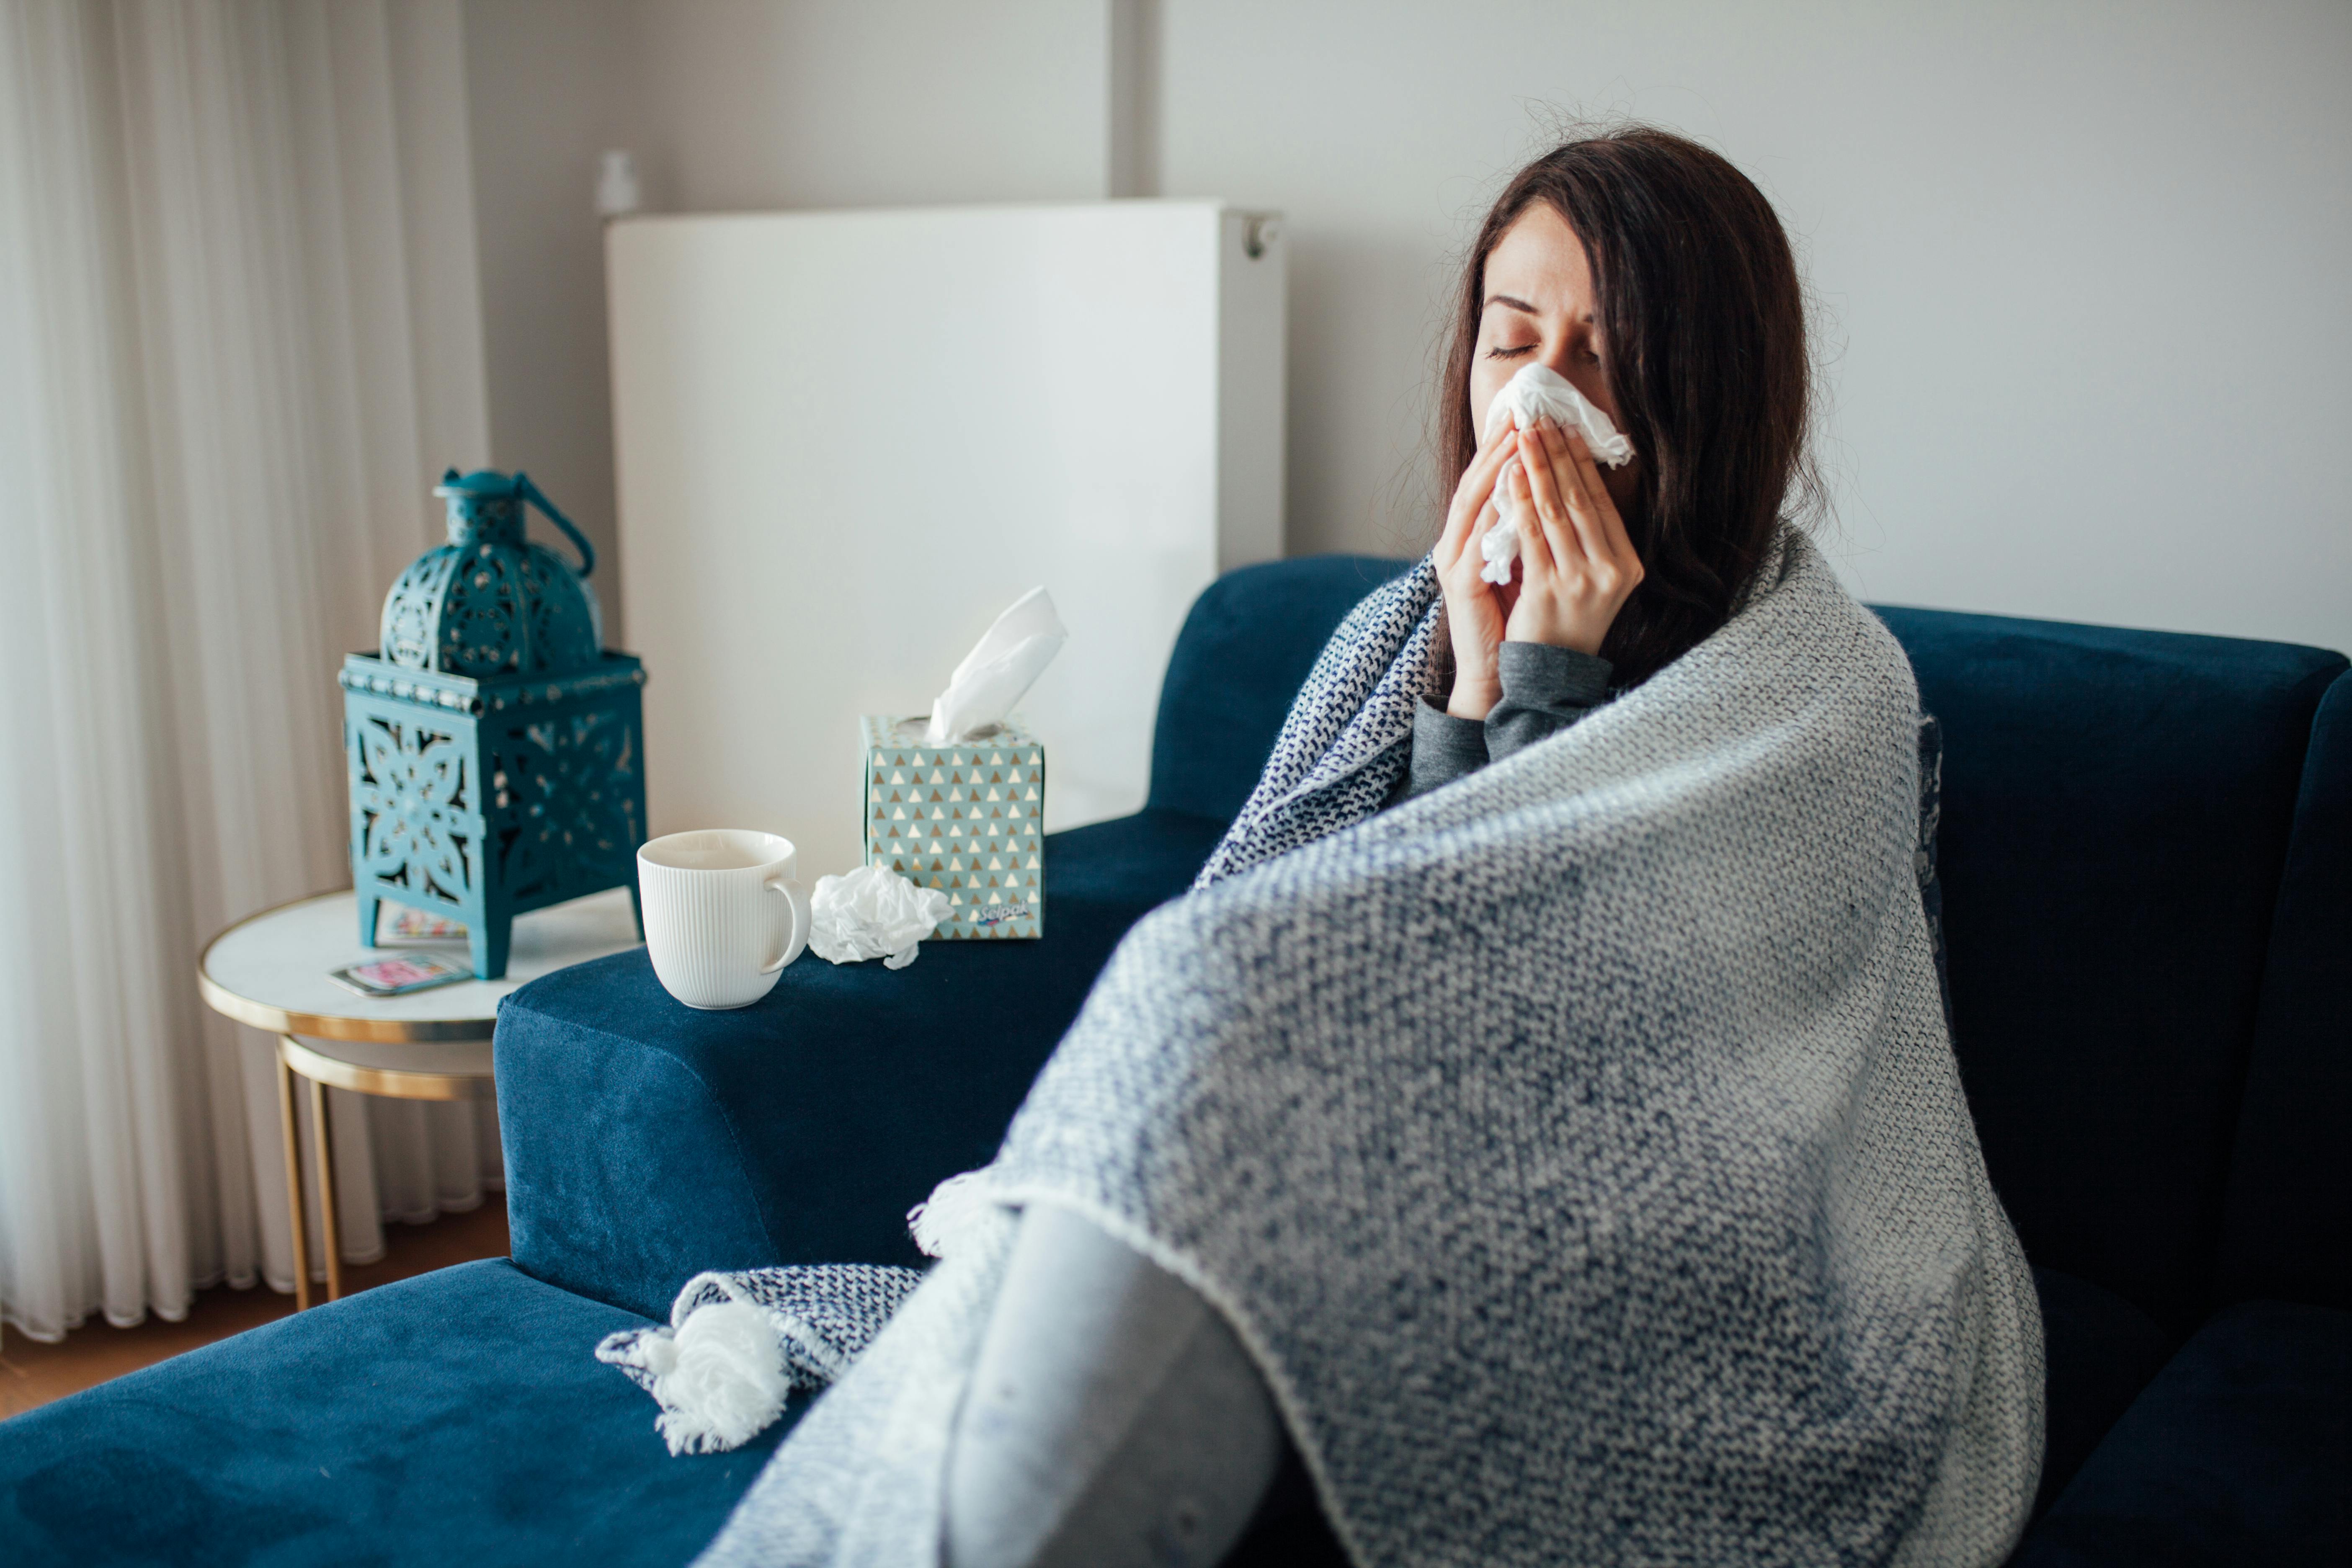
{"x":2147,"y":872}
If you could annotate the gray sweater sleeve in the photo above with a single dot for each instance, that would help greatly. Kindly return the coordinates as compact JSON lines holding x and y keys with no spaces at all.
{"x":1545,"y":689}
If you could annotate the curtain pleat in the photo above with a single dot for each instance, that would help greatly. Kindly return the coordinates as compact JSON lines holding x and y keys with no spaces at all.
{"x":239,"y":336}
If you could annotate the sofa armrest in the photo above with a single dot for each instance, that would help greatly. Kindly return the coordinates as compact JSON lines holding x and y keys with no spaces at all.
{"x":646,"y":1141}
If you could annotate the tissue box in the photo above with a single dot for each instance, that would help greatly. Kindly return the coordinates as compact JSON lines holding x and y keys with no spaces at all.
{"x":968,"y":819}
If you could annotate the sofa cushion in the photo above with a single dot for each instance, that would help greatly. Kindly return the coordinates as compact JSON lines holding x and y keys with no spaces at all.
{"x":457,"y":1418}
{"x":1245,"y":651}
{"x":2238,"y":1453}
{"x":647,"y":1142}
{"x":2115,"y":812}
{"x":2098,"y":1351}
{"x":2289,"y":1228}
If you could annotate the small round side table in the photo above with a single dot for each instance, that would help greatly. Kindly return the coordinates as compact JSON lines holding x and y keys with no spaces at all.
{"x":270,"y":971}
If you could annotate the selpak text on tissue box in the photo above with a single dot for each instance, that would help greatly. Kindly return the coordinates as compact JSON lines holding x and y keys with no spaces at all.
{"x":967,"y":818}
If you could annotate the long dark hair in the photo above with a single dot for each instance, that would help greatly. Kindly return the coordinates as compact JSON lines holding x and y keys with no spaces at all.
{"x":1702,"y":318}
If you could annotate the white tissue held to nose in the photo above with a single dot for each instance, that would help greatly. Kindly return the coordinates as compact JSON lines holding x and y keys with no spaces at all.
{"x":873,"y":912}
{"x":1540,"y":391}
{"x":1001,"y":667}
{"x":1537,"y":392}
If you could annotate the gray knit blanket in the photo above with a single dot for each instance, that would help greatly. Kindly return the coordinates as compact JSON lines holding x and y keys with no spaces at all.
{"x":1578,"y":1148}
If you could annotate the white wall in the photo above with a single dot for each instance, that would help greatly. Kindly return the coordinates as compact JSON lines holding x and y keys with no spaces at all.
{"x":543,"y":95}
{"x":2080,"y":264}
{"x":733,"y":104}
{"x":752,"y":103}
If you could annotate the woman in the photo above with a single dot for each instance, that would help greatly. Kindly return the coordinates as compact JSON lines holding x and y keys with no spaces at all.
{"x":1114,"y":1418}
{"x":1551,"y":1138}
{"x":1651,"y":241}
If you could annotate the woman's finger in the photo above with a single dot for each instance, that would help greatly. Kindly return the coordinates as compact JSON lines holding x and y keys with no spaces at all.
{"x":1556,"y":501}
{"x":1484,"y":521}
{"x":1535,"y":548}
{"x":1472,"y":494}
{"x":1587,"y":500}
{"x":1614,"y":539}
{"x":1461,"y":570}
{"x":1473,"y":498}
{"x":1532,"y":491}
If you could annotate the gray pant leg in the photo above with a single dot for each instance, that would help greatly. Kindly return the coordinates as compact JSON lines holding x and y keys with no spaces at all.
{"x":1113,"y":1420}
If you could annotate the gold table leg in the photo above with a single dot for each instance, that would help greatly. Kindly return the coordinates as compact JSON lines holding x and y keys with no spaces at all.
{"x":294,"y":1179}
{"x":329,"y":1222}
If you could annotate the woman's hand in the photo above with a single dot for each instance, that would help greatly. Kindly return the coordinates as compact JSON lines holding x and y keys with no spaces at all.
{"x":1576,"y":565}
{"x":1476,"y":609}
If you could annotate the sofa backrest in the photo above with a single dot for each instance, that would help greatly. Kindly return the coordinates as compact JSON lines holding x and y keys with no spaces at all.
{"x":2288,"y":1230}
{"x":2116,"y":810}
{"x":1245,"y":651}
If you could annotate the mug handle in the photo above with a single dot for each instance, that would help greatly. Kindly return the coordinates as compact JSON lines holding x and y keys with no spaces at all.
{"x":796,"y":898}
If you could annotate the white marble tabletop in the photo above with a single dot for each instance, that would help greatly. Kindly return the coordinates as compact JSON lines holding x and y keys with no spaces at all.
{"x":270,"y":970}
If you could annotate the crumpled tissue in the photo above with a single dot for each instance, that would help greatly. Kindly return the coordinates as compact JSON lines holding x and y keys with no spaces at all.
{"x":1538,"y":390}
{"x":873,"y":912}
{"x":1012,"y":654}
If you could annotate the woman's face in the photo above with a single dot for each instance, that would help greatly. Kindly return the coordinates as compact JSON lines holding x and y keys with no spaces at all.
{"x":1540,"y":310}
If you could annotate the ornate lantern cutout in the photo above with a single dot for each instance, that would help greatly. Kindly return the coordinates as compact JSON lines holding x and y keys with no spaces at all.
{"x":495,"y":746}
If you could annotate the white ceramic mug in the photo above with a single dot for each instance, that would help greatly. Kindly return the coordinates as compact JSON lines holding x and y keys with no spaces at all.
{"x":723,"y":914}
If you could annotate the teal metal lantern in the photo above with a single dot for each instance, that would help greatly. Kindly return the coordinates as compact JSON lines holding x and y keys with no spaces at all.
{"x":495,"y":746}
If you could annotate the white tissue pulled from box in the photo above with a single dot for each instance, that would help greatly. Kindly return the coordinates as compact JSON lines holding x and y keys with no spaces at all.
{"x":998,"y":670}
{"x":1538,"y":390}
{"x":873,"y":912}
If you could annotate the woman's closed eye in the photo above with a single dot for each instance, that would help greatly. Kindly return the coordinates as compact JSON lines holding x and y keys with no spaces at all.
{"x":1510,"y":351}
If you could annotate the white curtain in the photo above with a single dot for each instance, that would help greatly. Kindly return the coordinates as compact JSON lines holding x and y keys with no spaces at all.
{"x":239,"y":334}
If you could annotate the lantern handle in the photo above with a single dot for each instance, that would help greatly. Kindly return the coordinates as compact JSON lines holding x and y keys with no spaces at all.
{"x":538,"y":498}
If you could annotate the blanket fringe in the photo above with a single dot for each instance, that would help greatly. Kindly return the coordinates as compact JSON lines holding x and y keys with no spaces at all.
{"x":946,"y":1220}
{"x":719,"y":1376}
{"x":737,"y":1345}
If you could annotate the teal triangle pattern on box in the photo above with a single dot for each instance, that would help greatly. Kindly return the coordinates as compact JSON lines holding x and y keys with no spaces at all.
{"x":967,"y":818}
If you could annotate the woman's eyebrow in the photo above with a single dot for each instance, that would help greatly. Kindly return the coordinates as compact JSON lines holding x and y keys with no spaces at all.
{"x":1514,"y":304}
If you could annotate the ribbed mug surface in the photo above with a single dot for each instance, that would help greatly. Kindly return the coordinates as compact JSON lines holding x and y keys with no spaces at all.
{"x":724,"y":914}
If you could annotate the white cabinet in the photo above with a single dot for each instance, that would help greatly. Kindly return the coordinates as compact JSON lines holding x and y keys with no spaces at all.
{"x":845,"y":440}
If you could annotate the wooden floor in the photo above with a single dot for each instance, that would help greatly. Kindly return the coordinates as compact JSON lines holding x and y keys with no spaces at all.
{"x":33,"y":1374}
